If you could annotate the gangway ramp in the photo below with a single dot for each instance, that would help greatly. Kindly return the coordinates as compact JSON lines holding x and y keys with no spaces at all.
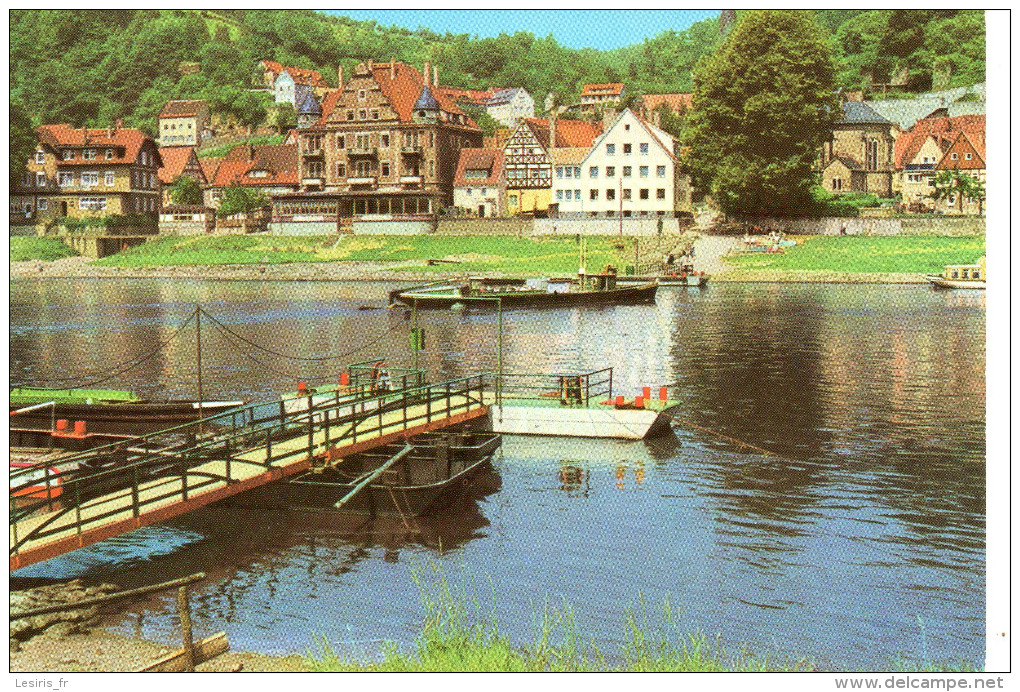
{"x":111,"y":490}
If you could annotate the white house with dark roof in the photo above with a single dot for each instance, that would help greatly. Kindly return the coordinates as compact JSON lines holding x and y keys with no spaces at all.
{"x":510,"y":106}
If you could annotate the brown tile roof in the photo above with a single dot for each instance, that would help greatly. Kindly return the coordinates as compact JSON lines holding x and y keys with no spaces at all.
{"x":569,"y":133}
{"x":613,"y":88}
{"x":472,"y":95}
{"x":944,"y":130}
{"x":181,"y":109}
{"x":676,"y":102}
{"x":126,"y":142}
{"x":175,"y":159}
{"x":403,"y":85}
{"x":490,"y":160}
{"x":961,"y":145}
{"x":280,"y":161}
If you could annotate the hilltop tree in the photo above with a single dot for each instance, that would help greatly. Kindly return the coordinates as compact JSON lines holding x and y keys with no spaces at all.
{"x":763,"y":106}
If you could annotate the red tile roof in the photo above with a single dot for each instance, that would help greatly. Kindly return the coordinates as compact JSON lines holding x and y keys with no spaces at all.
{"x":945,"y":132}
{"x":182,"y":109}
{"x":280,"y":161}
{"x":125,"y":142}
{"x":612,"y":88}
{"x":569,"y":133}
{"x":210,"y":166}
{"x":472,"y":95}
{"x":676,"y":102}
{"x":299,"y":74}
{"x":175,"y":159}
{"x":490,"y":160}
{"x":404,"y":87}
{"x":963,"y":144}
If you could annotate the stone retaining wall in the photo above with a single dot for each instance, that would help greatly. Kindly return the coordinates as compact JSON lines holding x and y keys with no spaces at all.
{"x":947,"y":225}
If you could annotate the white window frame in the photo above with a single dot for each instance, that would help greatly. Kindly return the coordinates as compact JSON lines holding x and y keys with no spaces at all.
{"x":68,"y":154}
{"x":40,"y":178}
{"x":65,"y":179}
{"x":660,"y":171}
{"x":89,"y":154}
{"x":90,"y":178}
{"x":40,"y":157}
{"x":110,"y":178}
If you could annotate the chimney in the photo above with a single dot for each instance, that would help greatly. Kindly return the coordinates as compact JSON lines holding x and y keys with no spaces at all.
{"x":119,"y":124}
{"x":251,"y":152}
{"x":340,"y":77}
{"x":393,"y":69}
{"x":426,"y":72}
{"x":435,"y":75}
{"x":552,"y":130}
{"x":370,"y":66}
{"x":608,"y":118}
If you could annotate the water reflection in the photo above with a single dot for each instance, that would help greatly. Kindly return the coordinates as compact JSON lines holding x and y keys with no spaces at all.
{"x":870,"y":515}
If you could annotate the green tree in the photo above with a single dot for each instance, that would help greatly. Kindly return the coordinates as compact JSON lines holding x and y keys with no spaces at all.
{"x":283,"y":117}
{"x":240,"y":200}
{"x":956,"y":184}
{"x":763,"y":105}
{"x":23,"y":140}
{"x":185,"y":190}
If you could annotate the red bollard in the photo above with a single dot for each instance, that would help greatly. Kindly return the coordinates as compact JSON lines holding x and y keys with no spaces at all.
{"x":619,"y":399}
{"x":62,"y":425}
{"x":639,"y":402}
{"x":662,"y":394}
{"x":646,"y":393}
{"x":79,"y":428}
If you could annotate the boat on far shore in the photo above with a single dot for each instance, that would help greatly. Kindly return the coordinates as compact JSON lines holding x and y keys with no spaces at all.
{"x":960,"y":276}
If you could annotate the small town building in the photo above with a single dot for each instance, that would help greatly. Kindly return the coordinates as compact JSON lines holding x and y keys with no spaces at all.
{"x":178,"y":161}
{"x":180,"y":219}
{"x":183,"y":123}
{"x":479,"y":188}
{"x":308,"y":112}
{"x":529,"y":165}
{"x":649,"y":107}
{"x":919,"y":151}
{"x":859,"y":155}
{"x":632,"y":170}
{"x":594,"y":96}
{"x":385,"y":151}
{"x":32,"y":191}
{"x":506,"y":105}
{"x":272,"y":169}
{"x":967,"y":156}
{"x":290,"y":84}
{"x":102,"y":172}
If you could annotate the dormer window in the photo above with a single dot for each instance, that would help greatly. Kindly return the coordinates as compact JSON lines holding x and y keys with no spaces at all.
{"x":109,"y":154}
{"x":89,"y":154}
{"x":258,"y":174}
{"x":40,"y":157}
{"x":68,"y":154}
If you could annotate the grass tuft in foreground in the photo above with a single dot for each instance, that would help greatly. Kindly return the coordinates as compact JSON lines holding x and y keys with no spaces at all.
{"x":457,"y":635}
{"x":25,"y":248}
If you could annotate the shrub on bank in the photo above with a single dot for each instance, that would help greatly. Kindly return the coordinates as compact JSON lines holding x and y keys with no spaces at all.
{"x":26,"y":248}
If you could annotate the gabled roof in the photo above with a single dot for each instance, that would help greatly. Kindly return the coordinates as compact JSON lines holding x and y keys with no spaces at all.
{"x":613,"y":88}
{"x":490,"y":160}
{"x":569,"y":133}
{"x":329,"y":103}
{"x":280,"y":161}
{"x":182,"y":109}
{"x":676,"y":102}
{"x":963,"y":143}
{"x":309,"y":105}
{"x":299,"y":74}
{"x":426,"y":100}
{"x":663,"y":139}
{"x":944,"y":130}
{"x":175,"y":160}
{"x":402,"y":85}
{"x":209,"y":166}
{"x":846,"y":161}
{"x":126,"y":142}
{"x":858,"y":112}
{"x":469,"y":95}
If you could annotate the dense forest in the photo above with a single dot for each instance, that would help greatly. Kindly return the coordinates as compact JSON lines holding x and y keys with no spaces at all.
{"x":93,"y":67}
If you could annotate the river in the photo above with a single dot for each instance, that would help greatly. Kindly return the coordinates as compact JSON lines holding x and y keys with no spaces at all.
{"x":861,"y":542}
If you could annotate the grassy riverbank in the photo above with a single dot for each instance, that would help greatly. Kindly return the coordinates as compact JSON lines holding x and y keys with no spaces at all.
{"x":458,"y":635}
{"x":26,"y":248}
{"x":533,"y":256}
{"x":867,"y":254}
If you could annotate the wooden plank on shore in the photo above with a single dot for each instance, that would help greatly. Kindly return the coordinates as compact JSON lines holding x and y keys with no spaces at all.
{"x":177,"y":662}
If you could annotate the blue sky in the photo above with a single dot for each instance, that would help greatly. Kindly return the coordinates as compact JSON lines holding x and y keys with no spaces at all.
{"x":601,"y":29}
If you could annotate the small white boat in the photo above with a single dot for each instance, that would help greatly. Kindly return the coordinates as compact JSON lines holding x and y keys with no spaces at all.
{"x":960,"y":276}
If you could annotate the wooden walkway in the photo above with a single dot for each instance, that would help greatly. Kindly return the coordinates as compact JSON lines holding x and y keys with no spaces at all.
{"x":44,"y":535}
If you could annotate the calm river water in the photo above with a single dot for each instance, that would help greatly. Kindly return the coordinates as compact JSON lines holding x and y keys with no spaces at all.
{"x":863,"y":544}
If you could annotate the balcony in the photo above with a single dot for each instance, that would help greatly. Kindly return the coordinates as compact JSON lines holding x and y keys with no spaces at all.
{"x":362,"y":180}
{"x":411,"y":179}
{"x":362,"y":151}
{"x":411,"y":151}
{"x":312,"y":182}
{"x":316,"y":153}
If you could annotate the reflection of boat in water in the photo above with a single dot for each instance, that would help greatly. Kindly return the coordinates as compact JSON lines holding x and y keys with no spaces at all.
{"x":410,"y":479}
{"x":108,"y":411}
{"x":586,"y":289}
{"x":960,"y":276}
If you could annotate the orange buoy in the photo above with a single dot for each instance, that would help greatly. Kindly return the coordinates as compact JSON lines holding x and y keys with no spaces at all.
{"x":62,"y":425}
{"x":663,"y":396}
{"x":639,"y":402}
{"x":619,"y":400}
{"x":345,"y":379}
{"x":646,"y":393}
{"x":79,"y":428}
